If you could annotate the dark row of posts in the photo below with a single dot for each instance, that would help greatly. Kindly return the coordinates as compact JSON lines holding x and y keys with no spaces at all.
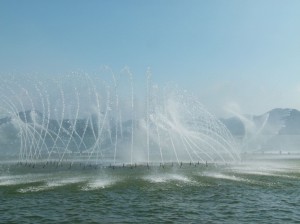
{"x":96,"y":166}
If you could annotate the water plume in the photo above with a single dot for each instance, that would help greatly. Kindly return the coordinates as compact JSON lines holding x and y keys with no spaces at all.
{"x":85,"y":119}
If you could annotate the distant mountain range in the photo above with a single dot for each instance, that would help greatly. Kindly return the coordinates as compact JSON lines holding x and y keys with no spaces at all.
{"x":276,"y":130}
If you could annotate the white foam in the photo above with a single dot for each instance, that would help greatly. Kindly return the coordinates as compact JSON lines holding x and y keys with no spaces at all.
{"x":59,"y":182}
{"x":51,"y":185}
{"x":161,"y":178}
{"x":33,"y":189}
{"x":18,"y":179}
{"x":224,"y":176}
{"x":7,"y":180}
{"x":98,"y":184}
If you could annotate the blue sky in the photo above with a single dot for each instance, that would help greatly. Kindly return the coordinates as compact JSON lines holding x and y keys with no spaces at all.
{"x":235,"y":55}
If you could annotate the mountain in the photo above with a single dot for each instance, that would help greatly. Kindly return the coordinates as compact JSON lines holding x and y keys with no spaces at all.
{"x":234,"y":125}
{"x":276,"y":130}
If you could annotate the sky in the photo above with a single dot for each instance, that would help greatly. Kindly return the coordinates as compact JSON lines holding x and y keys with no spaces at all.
{"x":241,"y":56}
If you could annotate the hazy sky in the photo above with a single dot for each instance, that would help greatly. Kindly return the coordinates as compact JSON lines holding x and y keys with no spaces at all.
{"x":235,"y":55}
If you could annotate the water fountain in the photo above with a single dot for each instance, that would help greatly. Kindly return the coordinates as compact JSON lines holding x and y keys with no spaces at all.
{"x":86,"y":119}
{"x":95,"y":143}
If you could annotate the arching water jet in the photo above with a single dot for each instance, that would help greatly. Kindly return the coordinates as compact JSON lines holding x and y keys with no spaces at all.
{"x":83,"y":119}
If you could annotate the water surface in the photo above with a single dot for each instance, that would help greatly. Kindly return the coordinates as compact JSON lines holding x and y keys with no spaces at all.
{"x":261,"y":191}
